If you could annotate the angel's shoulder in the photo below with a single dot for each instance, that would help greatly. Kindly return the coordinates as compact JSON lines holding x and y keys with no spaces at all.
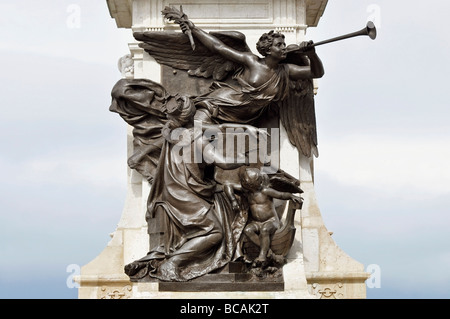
{"x":253,"y":58}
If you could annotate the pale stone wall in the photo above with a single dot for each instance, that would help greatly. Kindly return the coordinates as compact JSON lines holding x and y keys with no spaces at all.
{"x":317,"y":267}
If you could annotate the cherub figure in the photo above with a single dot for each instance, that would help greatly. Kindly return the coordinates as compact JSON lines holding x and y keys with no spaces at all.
{"x":126,"y":66}
{"x":263,"y":218}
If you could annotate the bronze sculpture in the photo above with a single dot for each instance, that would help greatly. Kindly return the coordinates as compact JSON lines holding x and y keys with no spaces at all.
{"x":258,"y":194}
{"x":201,"y":229}
{"x":202,"y":226}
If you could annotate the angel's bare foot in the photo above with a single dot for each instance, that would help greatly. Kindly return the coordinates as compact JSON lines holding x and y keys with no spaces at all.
{"x":246,"y":259}
{"x":169,"y":270}
{"x":259,"y":262}
{"x":132,"y":268}
{"x":279,"y":259}
{"x":276,"y":260}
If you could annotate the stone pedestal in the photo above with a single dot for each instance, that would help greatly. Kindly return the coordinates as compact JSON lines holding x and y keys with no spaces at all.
{"x":317,"y":267}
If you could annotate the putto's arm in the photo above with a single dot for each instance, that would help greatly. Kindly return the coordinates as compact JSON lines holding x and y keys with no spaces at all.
{"x":229,"y":190}
{"x":283,"y":195}
{"x":277,"y":194}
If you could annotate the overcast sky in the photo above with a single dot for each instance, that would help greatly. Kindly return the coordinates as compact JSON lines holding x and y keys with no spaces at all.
{"x":382,"y":177}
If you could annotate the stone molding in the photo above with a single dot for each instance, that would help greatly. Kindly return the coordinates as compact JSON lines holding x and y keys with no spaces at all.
{"x":282,"y":13}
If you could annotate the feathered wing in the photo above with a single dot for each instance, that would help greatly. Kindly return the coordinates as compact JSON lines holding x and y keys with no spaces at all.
{"x":174,"y":49}
{"x":297,"y":111}
{"x":283,"y":182}
{"x":141,"y":102}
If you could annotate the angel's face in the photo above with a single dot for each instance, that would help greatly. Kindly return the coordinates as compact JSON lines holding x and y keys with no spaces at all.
{"x":278,"y":48}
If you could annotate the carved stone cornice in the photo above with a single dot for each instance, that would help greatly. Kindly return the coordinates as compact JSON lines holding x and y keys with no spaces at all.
{"x":121,"y":11}
{"x":286,"y":13}
{"x":314,"y":11}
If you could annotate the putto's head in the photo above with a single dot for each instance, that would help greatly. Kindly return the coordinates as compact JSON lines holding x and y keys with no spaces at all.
{"x":250,"y":178}
{"x":265,"y":42}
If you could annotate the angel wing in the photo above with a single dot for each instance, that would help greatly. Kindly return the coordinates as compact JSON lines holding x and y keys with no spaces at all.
{"x":283,"y":182}
{"x":174,"y":49}
{"x":297,"y":111}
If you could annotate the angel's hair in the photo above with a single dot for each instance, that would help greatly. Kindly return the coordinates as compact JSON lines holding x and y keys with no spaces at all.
{"x":250,"y":177}
{"x":180,"y":110}
{"x":266,"y":41}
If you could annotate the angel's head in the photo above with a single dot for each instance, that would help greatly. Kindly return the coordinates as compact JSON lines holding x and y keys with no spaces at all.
{"x":250,"y":178}
{"x":180,"y":110}
{"x":267,"y":41}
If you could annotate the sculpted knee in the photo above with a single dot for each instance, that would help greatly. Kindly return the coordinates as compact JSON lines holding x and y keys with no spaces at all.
{"x":215,"y":238}
{"x":249,"y":230}
{"x":269,"y":228}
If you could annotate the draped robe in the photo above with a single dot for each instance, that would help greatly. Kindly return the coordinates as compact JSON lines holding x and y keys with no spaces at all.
{"x":188,"y":201}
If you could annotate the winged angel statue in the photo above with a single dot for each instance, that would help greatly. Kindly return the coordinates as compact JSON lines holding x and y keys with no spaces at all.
{"x":201,"y":228}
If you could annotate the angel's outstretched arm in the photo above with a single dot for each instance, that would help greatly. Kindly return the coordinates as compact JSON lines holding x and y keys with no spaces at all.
{"x":253,"y":131}
{"x":223,"y":161}
{"x":217,"y":46}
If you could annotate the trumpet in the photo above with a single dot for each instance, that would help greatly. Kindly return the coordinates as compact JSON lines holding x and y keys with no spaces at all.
{"x":370,"y":30}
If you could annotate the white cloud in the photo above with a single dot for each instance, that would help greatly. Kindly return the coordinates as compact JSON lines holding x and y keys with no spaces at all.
{"x":85,"y":52}
{"x":405,"y":167}
{"x":46,"y":29}
{"x":90,"y":167}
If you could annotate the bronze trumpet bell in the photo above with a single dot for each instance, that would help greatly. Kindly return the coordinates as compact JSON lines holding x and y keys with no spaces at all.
{"x":370,"y":30}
